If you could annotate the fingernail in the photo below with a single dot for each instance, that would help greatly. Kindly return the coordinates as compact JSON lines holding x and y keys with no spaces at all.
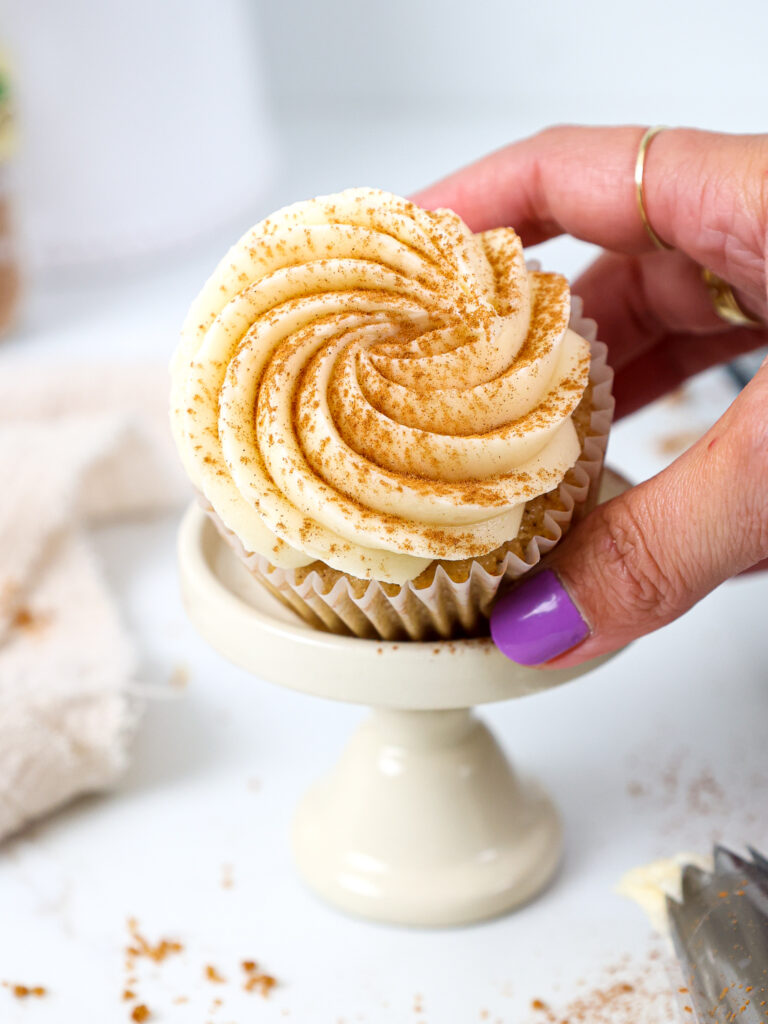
{"x":537,"y":621}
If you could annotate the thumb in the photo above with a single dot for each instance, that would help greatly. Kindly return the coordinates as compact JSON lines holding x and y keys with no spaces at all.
{"x":639,"y":561}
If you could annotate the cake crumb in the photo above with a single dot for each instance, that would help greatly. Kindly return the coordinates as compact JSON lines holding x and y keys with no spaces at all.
{"x":256,"y":980}
{"x":140,"y":947}
{"x":29,"y":621}
{"x":179,"y":677}
{"x":19,"y":991}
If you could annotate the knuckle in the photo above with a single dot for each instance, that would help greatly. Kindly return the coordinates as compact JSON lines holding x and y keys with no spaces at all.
{"x":641,"y":581}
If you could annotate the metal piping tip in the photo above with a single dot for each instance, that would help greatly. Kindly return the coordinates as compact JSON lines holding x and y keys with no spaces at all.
{"x":720,"y":932}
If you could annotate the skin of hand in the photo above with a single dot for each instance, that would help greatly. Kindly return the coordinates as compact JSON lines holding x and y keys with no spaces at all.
{"x":644,"y":558}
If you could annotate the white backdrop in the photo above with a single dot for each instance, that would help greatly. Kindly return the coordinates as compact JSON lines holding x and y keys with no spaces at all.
{"x":398,"y":94}
{"x":596,"y":60}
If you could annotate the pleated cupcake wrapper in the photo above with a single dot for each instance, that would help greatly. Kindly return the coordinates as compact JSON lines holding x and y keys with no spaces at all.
{"x":447,"y":608}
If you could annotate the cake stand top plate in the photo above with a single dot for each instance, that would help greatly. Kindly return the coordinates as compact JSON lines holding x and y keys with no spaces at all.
{"x":242,"y":620}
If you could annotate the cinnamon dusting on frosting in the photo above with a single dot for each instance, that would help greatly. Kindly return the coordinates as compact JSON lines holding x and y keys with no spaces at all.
{"x":370,"y":384}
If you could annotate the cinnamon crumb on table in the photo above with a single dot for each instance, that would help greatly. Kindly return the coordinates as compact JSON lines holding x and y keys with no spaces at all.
{"x":24,"y":991}
{"x":256,"y":980}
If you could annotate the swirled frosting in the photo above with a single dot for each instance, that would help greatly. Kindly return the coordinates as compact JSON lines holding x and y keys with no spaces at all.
{"x":371,"y":384}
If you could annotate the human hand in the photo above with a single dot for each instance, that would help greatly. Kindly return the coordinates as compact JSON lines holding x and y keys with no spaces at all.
{"x":639,"y":561}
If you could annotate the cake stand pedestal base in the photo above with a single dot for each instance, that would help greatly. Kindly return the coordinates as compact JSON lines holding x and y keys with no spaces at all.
{"x":424,"y":822}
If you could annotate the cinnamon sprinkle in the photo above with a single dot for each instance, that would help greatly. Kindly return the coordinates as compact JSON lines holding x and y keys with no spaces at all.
{"x":140,"y":947}
{"x":25,"y":991}
{"x":256,"y":980}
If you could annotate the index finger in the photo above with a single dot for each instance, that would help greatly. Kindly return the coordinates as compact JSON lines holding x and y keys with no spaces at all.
{"x":703,"y":192}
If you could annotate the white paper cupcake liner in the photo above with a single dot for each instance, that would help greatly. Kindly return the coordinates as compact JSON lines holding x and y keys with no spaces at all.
{"x":447,"y":608}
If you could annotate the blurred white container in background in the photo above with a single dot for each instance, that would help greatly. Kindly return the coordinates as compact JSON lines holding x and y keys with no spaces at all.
{"x":142,"y":125}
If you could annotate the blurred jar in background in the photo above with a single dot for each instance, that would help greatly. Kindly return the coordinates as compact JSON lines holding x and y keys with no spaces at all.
{"x":143,"y":126}
{"x":9,"y":270}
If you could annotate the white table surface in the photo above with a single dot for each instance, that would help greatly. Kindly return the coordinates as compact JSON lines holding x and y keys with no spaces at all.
{"x":661,"y":750}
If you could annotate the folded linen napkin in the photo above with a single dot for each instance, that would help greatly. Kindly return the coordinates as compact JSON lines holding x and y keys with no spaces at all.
{"x":76,"y":446}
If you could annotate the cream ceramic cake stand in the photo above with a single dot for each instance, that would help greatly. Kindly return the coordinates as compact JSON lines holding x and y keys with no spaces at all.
{"x":423,"y":821}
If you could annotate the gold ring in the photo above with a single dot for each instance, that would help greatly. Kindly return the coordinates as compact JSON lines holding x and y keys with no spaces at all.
{"x":725,"y":303}
{"x":720,"y":292}
{"x":639,"y":169}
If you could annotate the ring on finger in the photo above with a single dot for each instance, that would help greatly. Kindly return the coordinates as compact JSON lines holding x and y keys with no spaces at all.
{"x":720,"y":292}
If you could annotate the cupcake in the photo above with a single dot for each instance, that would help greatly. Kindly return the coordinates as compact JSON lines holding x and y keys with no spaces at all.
{"x":388,"y":416}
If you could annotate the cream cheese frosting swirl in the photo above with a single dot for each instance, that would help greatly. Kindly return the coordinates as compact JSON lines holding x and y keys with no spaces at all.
{"x":371,"y":384}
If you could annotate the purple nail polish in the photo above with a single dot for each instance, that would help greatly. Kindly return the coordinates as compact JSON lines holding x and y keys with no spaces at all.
{"x":537,"y":621}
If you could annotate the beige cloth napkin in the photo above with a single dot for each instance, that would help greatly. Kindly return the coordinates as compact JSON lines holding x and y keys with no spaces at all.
{"x":76,"y":446}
